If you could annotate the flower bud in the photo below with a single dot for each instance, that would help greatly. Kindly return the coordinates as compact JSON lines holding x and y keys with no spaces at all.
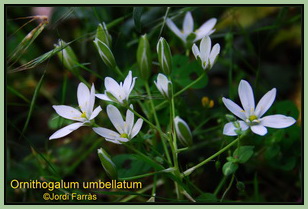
{"x":107,"y":164}
{"x":144,"y":57}
{"x":66,"y":55}
{"x":230,"y":118}
{"x":164,"y":56}
{"x":182,"y":131}
{"x":163,"y":85}
{"x":103,"y":35}
{"x":105,"y":53}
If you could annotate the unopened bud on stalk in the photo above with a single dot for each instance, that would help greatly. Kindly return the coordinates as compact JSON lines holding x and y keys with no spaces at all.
{"x":103,"y":35}
{"x":105,"y":53}
{"x":230,"y":118}
{"x":107,"y":164}
{"x":164,"y":56}
{"x":66,"y":55}
{"x":144,"y":57}
{"x":182,"y":131}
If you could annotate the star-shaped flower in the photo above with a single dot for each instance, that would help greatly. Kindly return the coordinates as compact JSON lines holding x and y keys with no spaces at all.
{"x":251,"y":115}
{"x":206,"y":55}
{"x":86,"y":101}
{"x":126,"y":129}
{"x":188,"y":34}
{"x":118,"y":92}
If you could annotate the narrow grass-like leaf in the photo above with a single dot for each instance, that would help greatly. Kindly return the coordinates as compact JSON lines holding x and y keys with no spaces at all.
{"x":13,"y":91}
{"x":36,"y":92}
{"x":137,"y":13}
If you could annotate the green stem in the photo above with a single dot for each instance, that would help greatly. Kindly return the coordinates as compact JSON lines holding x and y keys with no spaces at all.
{"x":183,"y":90}
{"x":190,"y":170}
{"x":118,"y":71}
{"x":142,"y":175}
{"x":230,"y":184}
{"x":157,"y":122}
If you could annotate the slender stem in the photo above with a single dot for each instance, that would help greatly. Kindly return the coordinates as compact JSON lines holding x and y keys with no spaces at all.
{"x":230,"y":184}
{"x":190,"y":170}
{"x":182,"y":90}
{"x":118,"y":71}
{"x":221,"y":183}
{"x":157,"y":122}
{"x":190,"y":85}
{"x":142,"y":175}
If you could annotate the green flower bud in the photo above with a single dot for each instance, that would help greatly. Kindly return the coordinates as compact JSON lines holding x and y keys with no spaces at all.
{"x":105,"y":53}
{"x":103,"y":35}
{"x":164,"y":56}
{"x":183,"y":131}
{"x":107,"y":164}
{"x":230,"y":118}
{"x":144,"y":57}
{"x":66,"y":55}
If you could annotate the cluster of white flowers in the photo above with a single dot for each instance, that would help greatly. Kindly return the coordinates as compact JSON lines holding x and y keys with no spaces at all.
{"x":251,"y":116}
{"x":114,"y":92}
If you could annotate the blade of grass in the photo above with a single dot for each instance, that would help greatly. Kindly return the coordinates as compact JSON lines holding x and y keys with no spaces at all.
{"x":36,"y":92}
{"x":13,"y":91}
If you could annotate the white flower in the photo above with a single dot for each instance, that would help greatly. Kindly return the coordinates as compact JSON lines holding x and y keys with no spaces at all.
{"x":118,"y":92}
{"x":251,"y":115}
{"x":206,"y":55}
{"x":162,"y":84}
{"x":86,"y":101}
{"x":126,"y":129}
{"x":188,"y":26}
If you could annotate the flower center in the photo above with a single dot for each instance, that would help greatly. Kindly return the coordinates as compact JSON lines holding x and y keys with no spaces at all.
{"x":124,"y":135}
{"x":252,"y":118}
{"x":83,"y":115}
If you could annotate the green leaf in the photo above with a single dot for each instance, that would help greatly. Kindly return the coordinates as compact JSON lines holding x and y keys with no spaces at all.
{"x":243,"y":153}
{"x":137,"y":13}
{"x":232,"y":159}
{"x":184,"y":72}
{"x":240,"y":186}
{"x":271,"y":152}
{"x":129,"y":165}
{"x":229,"y":168}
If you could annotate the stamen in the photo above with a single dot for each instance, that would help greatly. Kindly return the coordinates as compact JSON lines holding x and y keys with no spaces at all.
{"x":124,"y":135}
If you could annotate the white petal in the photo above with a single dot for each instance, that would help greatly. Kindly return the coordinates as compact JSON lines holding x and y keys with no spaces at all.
{"x":265,"y":102}
{"x":136,"y":128}
{"x":195,"y":51}
{"x":91,"y":101}
{"x":175,"y":29}
{"x":162,"y":84}
{"x":95,"y":112}
{"x":103,"y":97}
{"x":188,"y":24}
{"x":106,"y":133}
{"x":215,"y":51}
{"x":65,"y":130}
{"x":205,"y":48}
{"x":129,"y":121}
{"x":131,"y":88}
{"x":259,"y":129}
{"x":83,"y":95}
{"x":246,"y":96}
{"x":128,"y":81}
{"x":68,"y":112}
{"x":113,"y":87}
{"x":118,"y":140}
{"x":115,"y":118}
{"x":229,"y":128}
{"x":277,"y":121}
{"x":234,"y":108}
{"x":205,"y":29}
